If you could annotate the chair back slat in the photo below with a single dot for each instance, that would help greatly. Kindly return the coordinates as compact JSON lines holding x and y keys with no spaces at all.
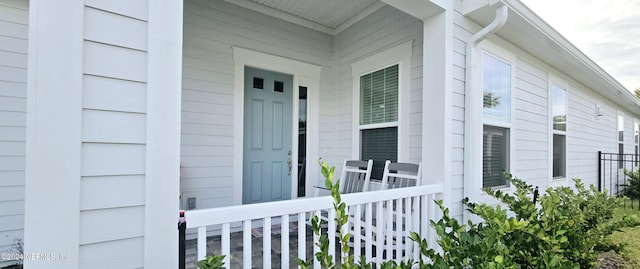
{"x":355,"y":176}
{"x":400,"y":175}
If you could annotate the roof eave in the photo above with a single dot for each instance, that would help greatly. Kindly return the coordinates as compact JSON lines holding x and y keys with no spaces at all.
{"x":528,"y":31}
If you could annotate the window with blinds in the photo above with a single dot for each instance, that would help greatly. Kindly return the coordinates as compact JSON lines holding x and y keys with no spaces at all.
{"x":379,"y":118}
{"x":379,"y":96}
{"x":559,"y":126}
{"x":497,"y":119}
{"x":379,"y":145}
{"x":495,"y":153}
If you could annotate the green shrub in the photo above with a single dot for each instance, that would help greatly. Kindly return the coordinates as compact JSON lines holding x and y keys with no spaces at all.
{"x":563,"y":230}
{"x":212,"y":262}
{"x":633,"y":190}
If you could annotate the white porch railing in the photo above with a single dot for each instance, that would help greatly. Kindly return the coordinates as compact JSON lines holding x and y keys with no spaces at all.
{"x":415,"y":203}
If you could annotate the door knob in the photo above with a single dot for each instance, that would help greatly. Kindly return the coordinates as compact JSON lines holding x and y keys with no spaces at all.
{"x":289,"y":161}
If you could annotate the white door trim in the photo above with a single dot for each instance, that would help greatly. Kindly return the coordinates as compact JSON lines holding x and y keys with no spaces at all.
{"x":304,"y":74}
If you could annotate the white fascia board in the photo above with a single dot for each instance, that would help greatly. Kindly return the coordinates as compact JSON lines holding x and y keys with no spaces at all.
{"x":420,"y":9}
{"x":469,"y":6}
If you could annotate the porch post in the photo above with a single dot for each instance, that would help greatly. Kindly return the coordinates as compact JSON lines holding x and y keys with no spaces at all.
{"x":53,"y":153}
{"x":164,"y":80}
{"x":436,"y":101}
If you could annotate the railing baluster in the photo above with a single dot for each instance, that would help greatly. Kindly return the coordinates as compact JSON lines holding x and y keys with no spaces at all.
{"x":368,"y":236}
{"x":408,"y":220}
{"x":416,"y":225}
{"x":389,"y":229}
{"x":379,"y":232}
{"x":246,"y":245}
{"x":284,"y":240}
{"x":398,"y":228}
{"x":332,"y":233}
{"x":266,"y":243}
{"x":357,"y":232}
{"x":225,"y":243}
{"x":316,"y":263}
{"x":202,"y":242}
{"x":302,"y":238}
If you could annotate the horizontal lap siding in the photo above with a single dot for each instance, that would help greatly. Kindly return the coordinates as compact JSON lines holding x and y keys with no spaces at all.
{"x":381,"y":30}
{"x":586,"y":134}
{"x":211,"y":29}
{"x":114,"y":125}
{"x":14,"y":18}
{"x":530,"y":125}
{"x":461,"y":34}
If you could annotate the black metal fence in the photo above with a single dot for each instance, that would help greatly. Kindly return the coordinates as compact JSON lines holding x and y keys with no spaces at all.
{"x":611,"y":167}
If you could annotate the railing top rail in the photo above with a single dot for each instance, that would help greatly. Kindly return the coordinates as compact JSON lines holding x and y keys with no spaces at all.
{"x":220,"y":215}
{"x":615,"y":153}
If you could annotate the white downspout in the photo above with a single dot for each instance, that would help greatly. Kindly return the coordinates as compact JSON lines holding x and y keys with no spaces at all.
{"x":473,"y":110}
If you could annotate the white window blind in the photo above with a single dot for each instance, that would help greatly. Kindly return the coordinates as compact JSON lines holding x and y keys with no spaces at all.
{"x":379,"y":96}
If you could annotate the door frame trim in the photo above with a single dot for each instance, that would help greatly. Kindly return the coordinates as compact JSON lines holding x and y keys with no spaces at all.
{"x":304,"y":74}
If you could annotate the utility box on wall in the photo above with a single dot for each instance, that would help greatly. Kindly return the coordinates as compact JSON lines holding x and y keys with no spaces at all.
{"x":190,"y":200}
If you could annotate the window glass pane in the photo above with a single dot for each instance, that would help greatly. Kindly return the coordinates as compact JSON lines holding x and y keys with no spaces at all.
{"x":379,"y":96}
{"x":302,"y":140}
{"x":620,"y":156}
{"x":620,"y":128}
{"x":496,"y":89}
{"x":559,"y":159}
{"x":258,"y":83}
{"x":559,"y":108}
{"x":636,"y":132}
{"x":495,"y":156}
{"x":379,"y":145}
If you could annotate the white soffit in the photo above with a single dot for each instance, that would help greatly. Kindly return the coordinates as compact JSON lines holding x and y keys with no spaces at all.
{"x":328,"y":16}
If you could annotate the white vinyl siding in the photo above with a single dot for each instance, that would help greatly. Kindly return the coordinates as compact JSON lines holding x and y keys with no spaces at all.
{"x":211,"y":28}
{"x":14,"y":18}
{"x":113,"y":133}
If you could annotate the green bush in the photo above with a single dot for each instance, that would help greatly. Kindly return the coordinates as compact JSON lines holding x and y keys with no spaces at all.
{"x":563,"y":230}
{"x":633,"y":190}
{"x":212,"y":262}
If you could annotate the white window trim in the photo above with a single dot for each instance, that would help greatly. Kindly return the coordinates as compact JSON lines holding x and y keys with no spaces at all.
{"x":557,"y":81}
{"x":304,"y":74}
{"x":400,"y":55}
{"x":636,"y":143}
{"x":619,"y":114}
{"x":494,"y":50}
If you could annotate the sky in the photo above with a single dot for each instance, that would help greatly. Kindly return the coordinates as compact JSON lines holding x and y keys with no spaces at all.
{"x":607,"y":31}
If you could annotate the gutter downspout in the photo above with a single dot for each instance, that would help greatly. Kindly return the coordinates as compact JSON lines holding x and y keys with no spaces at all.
{"x":473,"y":105}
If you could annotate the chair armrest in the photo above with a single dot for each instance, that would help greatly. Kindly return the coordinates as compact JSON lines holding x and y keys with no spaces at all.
{"x":321,"y":187}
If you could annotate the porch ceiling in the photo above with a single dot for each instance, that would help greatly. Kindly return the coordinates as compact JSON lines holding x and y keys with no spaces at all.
{"x":328,"y":16}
